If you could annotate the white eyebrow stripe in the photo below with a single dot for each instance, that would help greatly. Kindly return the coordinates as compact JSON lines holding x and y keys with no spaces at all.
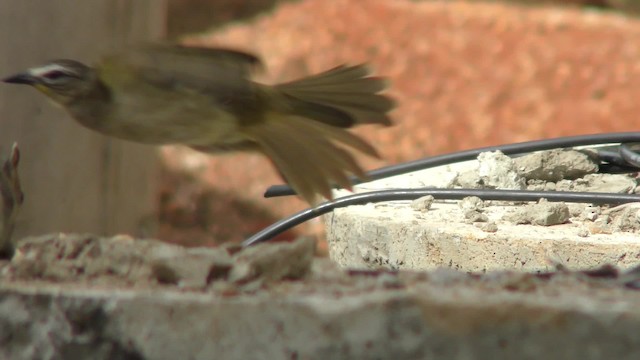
{"x":39,"y":71}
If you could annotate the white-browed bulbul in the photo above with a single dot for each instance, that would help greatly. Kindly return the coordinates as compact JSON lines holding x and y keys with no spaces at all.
{"x":204,"y":98}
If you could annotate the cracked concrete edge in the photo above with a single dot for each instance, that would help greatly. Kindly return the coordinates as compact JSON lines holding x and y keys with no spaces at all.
{"x":423,"y":323}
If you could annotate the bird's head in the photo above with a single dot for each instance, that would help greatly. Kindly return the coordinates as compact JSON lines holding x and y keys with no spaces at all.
{"x":61,"y":80}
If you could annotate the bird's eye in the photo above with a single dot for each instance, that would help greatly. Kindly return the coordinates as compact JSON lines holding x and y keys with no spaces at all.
{"x":54,"y":75}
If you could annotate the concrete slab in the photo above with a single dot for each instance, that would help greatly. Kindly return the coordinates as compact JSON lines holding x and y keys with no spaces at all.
{"x":82,"y":297}
{"x":473,"y":235}
{"x":329,"y":315}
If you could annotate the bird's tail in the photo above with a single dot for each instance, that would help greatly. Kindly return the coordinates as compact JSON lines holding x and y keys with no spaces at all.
{"x":344,"y":96}
{"x":310,"y":146}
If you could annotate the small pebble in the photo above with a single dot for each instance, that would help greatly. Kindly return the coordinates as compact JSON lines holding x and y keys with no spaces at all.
{"x":473,"y":216}
{"x":422,"y":204}
{"x":487,"y":226}
{"x":583,"y":232}
{"x":471,"y":203}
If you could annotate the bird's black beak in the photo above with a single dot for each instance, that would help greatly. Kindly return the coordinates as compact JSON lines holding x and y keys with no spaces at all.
{"x":22,"y":78}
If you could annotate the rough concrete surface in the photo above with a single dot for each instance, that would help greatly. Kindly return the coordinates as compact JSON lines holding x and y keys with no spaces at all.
{"x":476,"y":235}
{"x":83,"y":259}
{"x":322,"y":312}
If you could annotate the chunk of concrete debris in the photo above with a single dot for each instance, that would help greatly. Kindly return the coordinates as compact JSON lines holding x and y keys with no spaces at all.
{"x":489,"y":227}
{"x":495,"y":170}
{"x":583,"y":232}
{"x":84,"y":258}
{"x":543,"y":213}
{"x":474,"y":216}
{"x":265,"y":263}
{"x":555,"y":165}
{"x":625,"y":217}
{"x":543,"y":171}
{"x":471,"y":203}
{"x":575,"y":209}
{"x":120,"y":260}
{"x":191,"y":268}
{"x":498,"y":171}
{"x":468,"y":179}
{"x":590,"y":213}
{"x":422,"y":204}
{"x":472,"y":207}
{"x":611,"y":183}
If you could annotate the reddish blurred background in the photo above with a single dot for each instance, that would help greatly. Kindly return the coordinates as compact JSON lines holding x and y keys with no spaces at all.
{"x":465,"y":74}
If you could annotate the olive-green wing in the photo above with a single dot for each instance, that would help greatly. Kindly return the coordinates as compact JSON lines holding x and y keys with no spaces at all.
{"x":214,"y":71}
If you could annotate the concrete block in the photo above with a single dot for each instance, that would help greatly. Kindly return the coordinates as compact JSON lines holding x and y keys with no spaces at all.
{"x":482,"y":236}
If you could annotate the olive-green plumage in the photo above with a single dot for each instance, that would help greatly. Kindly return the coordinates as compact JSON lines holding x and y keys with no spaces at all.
{"x":204,"y":98}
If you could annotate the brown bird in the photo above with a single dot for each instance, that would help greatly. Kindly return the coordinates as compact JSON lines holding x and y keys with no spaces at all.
{"x":204,"y":98}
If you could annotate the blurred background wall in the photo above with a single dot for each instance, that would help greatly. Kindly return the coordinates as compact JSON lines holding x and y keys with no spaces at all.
{"x":74,"y":180}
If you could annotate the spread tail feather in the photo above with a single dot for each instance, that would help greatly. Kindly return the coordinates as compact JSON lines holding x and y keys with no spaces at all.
{"x":310,"y":155}
{"x":344,"y":96}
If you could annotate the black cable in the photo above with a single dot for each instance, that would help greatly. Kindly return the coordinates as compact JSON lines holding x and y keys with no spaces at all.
{"x":629,"y":153}
{"x":508,"y":149}
{"x":612,"y":161}
{"x":625,"y":159}
{"x":612,"y":157}
{"x":453,"y":194}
